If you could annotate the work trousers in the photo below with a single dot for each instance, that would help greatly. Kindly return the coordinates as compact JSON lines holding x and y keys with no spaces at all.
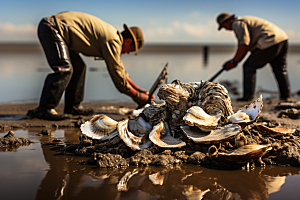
{"x":69,"y":68}
{"x":276,"y":57}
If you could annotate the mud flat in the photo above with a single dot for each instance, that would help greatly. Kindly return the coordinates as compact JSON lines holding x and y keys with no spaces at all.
{"x":115,"y":153}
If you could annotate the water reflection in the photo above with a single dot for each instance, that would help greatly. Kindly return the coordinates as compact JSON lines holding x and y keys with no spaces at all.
{"x":67,"y":178}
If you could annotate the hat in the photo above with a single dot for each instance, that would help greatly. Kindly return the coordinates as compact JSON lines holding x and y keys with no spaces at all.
{"x":137,"y":36}
{"x":222,"y":18}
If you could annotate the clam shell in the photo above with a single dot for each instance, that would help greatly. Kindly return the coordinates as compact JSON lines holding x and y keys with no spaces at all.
{"x":132,"y":141}
{"x":139,"y":126}
{"x":218,"y":135}
{"x":245,"y":153}
{"x":160,"y":136}
{"x":100,"y":127}
{"x":248,"y":113}
{"x":196,"y":116}
{"x":273,"y":132}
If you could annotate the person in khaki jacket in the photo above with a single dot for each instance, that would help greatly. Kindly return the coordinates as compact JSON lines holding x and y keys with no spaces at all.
{"x":63,"y":36}
{"x":267,"y":43}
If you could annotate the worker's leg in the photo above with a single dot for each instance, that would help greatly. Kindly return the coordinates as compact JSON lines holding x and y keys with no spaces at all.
{"x":75,"y":90}
{"x":280,"y":70}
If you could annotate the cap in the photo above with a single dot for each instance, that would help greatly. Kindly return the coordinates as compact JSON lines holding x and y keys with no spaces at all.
{"x":223,"y":17}
{"x":137,"y":36}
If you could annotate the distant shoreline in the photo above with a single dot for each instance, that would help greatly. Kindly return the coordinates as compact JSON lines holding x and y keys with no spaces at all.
{"x":148,"y":48}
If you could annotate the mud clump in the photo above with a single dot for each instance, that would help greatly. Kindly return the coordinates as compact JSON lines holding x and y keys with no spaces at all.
{"x":10,"y":142}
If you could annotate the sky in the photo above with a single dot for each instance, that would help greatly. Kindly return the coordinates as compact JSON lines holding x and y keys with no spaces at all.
{"x":162,"y":21}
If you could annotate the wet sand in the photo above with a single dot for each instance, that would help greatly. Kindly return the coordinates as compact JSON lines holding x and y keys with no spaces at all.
{"x":10,"y":114}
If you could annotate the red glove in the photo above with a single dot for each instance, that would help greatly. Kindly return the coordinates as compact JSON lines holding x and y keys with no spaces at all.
{"x":229,"y":64}
{"x":140,"y":98}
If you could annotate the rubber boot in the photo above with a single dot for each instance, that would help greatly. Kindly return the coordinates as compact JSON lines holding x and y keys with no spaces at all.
{"x":249,"y":86}
{"x":284,"y":86}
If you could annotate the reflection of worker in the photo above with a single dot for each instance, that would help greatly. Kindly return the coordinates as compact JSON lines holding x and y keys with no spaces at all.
{"x":268,"y":44}
{"x":63,"y":36}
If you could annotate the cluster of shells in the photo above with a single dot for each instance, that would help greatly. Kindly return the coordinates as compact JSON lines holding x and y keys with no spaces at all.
{"x":202,"y":111}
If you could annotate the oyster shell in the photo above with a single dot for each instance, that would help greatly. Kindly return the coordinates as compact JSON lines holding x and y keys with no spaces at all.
{"x":248,"y":113}
{"x":273,"y":132}
{"x":160,"y":136}
{"x":175,"y":96}
{"x":197,"y":117}
{"x":131,"y":140}
{"x":100,"y":127}
{"x":213,"y":98}
{"x":246,"y":153}
{"x":139,"y":126}
{"x":155,"y":113}
{"x":218,"y":135}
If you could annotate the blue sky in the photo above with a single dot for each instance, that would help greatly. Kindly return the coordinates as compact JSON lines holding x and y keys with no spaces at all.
{"x":162,"y":21}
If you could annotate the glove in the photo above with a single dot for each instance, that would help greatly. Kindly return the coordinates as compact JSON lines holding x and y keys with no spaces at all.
{"x":140,"y":98}
{"x":229,"y":64}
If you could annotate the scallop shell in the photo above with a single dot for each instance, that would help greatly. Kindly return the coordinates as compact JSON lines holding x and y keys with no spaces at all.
{"x":273,"y":132}
{"x":218,"y":135}
{"x":132,"y":141}
{"x":100,"y":127}
{"x":197,"y":117}
{"x":248,"y":113}
{"x":245,"y":153}
{"x":160,"y":136}
{"x":139,"y":126}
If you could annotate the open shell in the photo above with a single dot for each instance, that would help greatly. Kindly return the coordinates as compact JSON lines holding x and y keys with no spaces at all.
{"x":273,"y":132}
{"x":160,"y":136}
{"x":245,"y":153}
{"x":139,"y":126}
{"x":248,"y":113}
{"x":218,"y":135}
{"x":131,"y":140}
{"x":100,"y":127}
{"x":196,"y":116}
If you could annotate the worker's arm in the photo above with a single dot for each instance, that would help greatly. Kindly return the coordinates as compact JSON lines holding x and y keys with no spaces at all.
{"x":239,"y":55}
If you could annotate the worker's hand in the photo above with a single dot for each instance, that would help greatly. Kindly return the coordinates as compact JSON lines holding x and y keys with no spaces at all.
{"x":141,"y":99}
{"x":229,"y":65}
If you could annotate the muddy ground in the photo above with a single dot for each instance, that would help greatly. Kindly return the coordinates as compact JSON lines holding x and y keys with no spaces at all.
{"x":115,"y":153}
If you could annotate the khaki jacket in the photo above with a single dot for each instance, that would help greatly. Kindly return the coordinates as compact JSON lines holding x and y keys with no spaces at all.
{"x":91,"y":36}
{"x":257,"y":33}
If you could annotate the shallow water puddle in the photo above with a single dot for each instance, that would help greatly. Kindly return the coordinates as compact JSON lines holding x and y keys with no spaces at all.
{"x":38,"y":171}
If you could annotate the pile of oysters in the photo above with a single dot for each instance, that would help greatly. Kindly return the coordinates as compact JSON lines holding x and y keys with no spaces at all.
{"x":199,"y":111}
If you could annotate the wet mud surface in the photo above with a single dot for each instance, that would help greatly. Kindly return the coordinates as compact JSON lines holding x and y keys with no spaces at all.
{"x":115,"y":154}
{"x":84,"y":168}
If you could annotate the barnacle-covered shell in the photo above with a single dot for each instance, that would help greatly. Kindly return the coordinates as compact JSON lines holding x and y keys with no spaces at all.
{"x":248,"y":113}
{"x":220,"y":134}
{"x":161,"y":136}
{"x":100,"y":127}
{"x":245,"y":153}
{"x":131,"y":140}
{"x":155,"y":113}
{"x":240,"y":140}
{"x":139,"y":126}
{"x":196,"y":116}
{"x":273,"y":132}
{"x":213,"y":98}
{"x":174,"y":94}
